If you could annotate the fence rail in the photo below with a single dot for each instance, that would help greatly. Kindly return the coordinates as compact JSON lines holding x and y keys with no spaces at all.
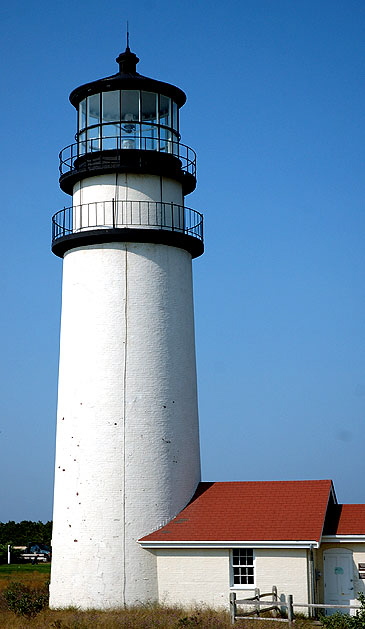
{"x":279,"y":605}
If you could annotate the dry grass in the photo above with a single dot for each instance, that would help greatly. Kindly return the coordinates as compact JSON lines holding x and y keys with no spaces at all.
{"x":149,"y":617}
{"x":137,"y":618}
{"x":32,"y":576}
{"x":141,"y":617}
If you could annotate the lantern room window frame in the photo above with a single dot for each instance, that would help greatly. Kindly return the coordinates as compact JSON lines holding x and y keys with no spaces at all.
{"x":151,"y":122}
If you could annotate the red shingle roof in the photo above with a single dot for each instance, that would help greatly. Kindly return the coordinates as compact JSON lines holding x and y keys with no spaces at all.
{"x":346,"y":520}
{"x":251,"y":511}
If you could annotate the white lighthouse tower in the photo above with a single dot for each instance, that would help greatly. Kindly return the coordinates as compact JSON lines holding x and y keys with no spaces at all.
{"x":127,"y":448}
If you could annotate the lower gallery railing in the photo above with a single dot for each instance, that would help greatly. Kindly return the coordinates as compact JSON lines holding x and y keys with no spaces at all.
{"x":114,"y":214}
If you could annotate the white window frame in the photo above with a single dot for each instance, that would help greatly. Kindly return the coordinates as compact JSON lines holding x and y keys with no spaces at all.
{"x":242,"y":586}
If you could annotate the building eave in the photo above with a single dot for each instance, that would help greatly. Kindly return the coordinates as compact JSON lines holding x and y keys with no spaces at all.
{"x":326,"y":539}
{"x":230,"y":544}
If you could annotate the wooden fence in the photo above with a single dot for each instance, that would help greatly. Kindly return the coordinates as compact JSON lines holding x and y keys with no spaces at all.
{"x":284,"y":605}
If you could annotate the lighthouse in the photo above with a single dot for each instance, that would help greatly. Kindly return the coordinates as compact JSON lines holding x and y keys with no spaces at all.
{"x":127,"y":444}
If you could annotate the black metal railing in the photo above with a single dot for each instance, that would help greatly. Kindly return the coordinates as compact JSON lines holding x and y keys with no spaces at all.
{"x":108,"y":148}
{"x":115,"y":214}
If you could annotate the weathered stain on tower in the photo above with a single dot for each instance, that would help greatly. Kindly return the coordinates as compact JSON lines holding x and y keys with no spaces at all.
{"x":127,"y":448}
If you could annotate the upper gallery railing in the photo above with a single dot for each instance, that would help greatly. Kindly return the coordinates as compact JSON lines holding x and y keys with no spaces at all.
{"x":108,"y":149}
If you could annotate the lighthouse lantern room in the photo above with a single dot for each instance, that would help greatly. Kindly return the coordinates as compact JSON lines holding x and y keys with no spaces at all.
{"x":127,"y":445}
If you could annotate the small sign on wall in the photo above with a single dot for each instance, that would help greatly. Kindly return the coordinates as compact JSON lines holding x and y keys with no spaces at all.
{"x":361,"y":567}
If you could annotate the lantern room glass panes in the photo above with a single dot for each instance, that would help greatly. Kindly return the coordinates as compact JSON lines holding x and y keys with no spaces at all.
{"x":110,"y":106}
{"x":149,"y":107}
{"x":175,"y":117}
{"x":130,"y":116}
{"x":149,"y":118}
{"x":164,"y":110}
{"x":128,"y":119}
{"x":130,"y":106}
{"x":82,"y":114}
{"x":93,"y":139}
{"x":110,"y":116}
{"x":93,"y":110}
{"x":164,"y":118}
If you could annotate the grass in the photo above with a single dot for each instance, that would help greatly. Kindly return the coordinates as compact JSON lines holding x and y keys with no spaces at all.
{"x":139,"y":617}
{"x":150,"y":617}
{"x":25,"y":568}
{"x":33,"y":576}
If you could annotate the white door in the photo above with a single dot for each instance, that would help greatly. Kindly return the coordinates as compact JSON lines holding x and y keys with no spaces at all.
{"x":338,"y":579}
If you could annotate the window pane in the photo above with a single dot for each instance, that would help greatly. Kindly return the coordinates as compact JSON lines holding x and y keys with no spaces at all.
{"x":93,"y":109}
{"x":165,"y":115}
{"x":149,"y":138}
{"x":111,"y":135}
{"x":111,"y":106}
{"x":82,"y":143}
{"x":93,"y":136}
{"x":130,"y":107}
{"x":129,"y":136}
{"x":165,"y":143}
{"x":82,"y":114}
{"x":149,"y":111}
{"x":175,"y":117}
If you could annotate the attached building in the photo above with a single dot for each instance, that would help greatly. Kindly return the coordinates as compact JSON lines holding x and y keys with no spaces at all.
{"x":238,"y":536}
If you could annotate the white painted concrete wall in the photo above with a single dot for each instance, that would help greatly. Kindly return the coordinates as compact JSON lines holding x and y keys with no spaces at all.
{"x":127,"y":453}
{"x":203,"y":576}
{"x":193,"y":577}
{"x":126,"y":186}
{"x":90,"y":194}
{"x":287,"y":569}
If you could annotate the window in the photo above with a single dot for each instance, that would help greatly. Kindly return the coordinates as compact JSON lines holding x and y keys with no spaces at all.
{"x":242,"y":566}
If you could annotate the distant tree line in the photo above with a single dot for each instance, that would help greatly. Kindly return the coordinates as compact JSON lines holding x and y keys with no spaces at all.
{"x":22,"y":533}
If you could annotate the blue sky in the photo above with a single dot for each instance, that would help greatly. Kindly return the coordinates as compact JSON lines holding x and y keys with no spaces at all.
{"x":275,"y":112}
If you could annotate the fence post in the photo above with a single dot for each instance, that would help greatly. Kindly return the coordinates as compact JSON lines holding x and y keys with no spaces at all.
{"x":275,"y":597}
{"x":257,"y":597}
{"x":232,"y":606}
{"x":283,"y":608}
{"x":290,"y":608}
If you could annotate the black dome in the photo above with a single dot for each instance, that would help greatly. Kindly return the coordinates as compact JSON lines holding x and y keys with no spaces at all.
{"x":127,"y":79}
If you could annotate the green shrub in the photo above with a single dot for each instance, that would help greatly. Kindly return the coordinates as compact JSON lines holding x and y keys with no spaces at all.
{"x":337,"y":621}
{"x":345,"y":621}
{"x":25,"y":601}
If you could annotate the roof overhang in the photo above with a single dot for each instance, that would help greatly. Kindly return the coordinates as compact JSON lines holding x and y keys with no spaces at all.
{"x":326,"y":539}
{"x":230,"y":544}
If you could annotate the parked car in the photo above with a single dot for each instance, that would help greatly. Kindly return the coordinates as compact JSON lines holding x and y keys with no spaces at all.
{"x":37,"y":552}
